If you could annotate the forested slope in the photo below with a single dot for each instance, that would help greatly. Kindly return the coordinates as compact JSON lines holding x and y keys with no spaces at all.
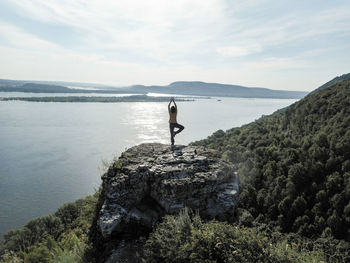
{"x":334,"y":81}
{"x":295,"y":164}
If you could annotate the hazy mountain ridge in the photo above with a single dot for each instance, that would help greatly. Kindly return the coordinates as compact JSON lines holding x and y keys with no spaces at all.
{"x":215,"y":89}
{"x":196,"y":88}
{"x":54,"y":83}
{"x":33,"y":87}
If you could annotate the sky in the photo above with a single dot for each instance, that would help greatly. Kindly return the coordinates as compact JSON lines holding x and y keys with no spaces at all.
{"x":279,"y":44}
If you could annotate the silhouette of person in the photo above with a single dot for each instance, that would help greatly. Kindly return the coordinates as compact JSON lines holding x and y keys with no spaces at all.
{"x":173,"y":122}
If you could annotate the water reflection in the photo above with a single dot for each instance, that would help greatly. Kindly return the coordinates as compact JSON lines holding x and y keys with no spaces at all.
{"x":150,"y":121}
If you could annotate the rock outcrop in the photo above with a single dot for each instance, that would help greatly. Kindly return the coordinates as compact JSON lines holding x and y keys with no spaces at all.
{"x":151,"y":180}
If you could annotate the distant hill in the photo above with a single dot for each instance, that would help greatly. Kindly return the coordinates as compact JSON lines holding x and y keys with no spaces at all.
{"x":196,"y":88}
{"x":37,"y":88}
{"x":12,"y":83}
{"x":50,"y":87}
{"x":215,"y":89}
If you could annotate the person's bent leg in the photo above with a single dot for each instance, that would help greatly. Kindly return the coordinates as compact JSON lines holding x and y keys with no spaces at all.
{"x":180,"y":128}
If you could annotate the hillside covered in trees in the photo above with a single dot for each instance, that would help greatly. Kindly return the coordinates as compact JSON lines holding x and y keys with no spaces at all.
{"x":295,"y":164}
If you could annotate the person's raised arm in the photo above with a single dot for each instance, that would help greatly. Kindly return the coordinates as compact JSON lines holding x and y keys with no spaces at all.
{"x":175,"y":104}
{"x":169,"y":104}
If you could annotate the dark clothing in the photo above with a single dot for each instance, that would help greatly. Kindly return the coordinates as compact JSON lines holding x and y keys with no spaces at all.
{"x":172,"y":127}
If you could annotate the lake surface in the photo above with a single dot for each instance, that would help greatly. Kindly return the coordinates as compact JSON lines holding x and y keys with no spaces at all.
{"x":50,"y":152}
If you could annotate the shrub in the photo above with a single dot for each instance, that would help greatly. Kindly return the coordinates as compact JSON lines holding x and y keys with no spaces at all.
{"x":61,"y":237}
{"x":186,"y":238}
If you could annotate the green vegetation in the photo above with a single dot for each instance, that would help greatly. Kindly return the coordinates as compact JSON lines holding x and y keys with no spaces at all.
{"x":294,"y":165}
{"x":186,"y":238}
{"x":133,"y":98}
{"x":334,"y":81}
{"x":60,"y":237}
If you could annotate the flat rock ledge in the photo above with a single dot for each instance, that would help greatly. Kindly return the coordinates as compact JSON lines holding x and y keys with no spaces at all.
{"x":151,"y":180}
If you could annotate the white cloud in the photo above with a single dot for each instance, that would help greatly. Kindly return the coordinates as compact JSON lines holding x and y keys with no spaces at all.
{"x":18,"y":38}
{"x":238,"y":51}
{"x":158,"y":29}
{"x":278,"y":63}
{"x":157,"y":42}
{"x":164,"y":29}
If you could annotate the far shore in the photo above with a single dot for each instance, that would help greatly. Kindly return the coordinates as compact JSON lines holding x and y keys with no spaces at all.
{"x":133,"y":98}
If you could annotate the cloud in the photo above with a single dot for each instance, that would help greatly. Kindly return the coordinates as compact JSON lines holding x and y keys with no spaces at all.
{"x":152,"y":29}
{"x":278,"y":63}
{"x":167,"y":30}
{"x":157,"y":42}
{"x":239,"y":51}
{"x":17,"y":38}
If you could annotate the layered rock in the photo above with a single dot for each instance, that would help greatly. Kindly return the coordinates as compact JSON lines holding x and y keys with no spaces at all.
{"x":150,"y":180}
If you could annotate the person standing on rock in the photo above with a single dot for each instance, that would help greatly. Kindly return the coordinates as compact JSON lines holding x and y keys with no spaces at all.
{"x":173,"y":122}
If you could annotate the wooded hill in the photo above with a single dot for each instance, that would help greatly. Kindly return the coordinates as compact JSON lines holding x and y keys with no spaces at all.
{"x":295,"y":164}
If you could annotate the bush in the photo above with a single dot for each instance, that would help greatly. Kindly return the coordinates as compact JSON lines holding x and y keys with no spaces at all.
{"x":68,"y":213}
{"x":186,"y":238}
{"x":61,"y":237}
{"x":40,"y":254}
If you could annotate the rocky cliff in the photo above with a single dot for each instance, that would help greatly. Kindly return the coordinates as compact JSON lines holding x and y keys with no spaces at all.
{"x":151,"y":180}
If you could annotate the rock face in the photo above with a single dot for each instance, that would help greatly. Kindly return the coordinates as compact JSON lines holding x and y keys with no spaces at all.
{"x":150,"y":180}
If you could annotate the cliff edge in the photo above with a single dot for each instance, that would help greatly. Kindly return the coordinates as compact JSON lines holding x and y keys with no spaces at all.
{"x":151,"y":180}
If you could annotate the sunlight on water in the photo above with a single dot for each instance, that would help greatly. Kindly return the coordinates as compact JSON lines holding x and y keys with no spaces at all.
{"x":148,"y":120}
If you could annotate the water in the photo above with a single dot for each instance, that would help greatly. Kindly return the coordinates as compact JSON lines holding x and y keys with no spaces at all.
{"x":50,"y":152}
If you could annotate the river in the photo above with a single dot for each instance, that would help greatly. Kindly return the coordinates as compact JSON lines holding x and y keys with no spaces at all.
{"x":50,"y":153}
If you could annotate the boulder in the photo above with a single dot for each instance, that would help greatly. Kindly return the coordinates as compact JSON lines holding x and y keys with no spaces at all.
{"x":151,"y":180}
